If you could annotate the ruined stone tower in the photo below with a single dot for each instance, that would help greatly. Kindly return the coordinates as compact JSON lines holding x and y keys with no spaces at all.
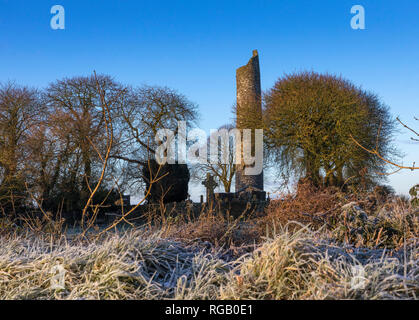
{"x":248,"y":102}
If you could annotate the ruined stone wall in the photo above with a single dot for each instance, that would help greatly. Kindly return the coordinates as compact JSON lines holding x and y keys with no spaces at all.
{"x":249,"y":102}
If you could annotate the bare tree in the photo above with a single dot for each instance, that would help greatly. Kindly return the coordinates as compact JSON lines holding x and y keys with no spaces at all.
{"x":223,"y":168}
{"x":145,"y":111}
{"x":377,"y":153}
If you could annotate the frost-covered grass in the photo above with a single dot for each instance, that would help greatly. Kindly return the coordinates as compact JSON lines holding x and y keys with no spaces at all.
{"x":305,"y":265}
{"x":292,"y":263}
{"x":316,"y":245}
{"x":133,"y":265}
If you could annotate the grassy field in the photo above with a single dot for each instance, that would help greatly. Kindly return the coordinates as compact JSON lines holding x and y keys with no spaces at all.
{"x":342,"y":249}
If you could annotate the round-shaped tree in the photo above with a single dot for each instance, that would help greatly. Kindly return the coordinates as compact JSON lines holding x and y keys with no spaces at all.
{"x":311,"y":121}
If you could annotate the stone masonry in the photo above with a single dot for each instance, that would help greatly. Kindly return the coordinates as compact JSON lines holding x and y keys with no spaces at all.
{"x":248,"y":100}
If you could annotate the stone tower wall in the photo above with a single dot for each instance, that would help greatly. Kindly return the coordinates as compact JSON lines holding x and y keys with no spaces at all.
{"x":249,"y":94}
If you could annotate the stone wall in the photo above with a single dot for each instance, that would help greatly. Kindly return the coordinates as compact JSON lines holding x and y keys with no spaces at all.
{"x":248,"y":102}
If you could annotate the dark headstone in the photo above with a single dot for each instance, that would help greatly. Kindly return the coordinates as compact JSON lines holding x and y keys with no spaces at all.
{"x":172,"y":187}
{"x":210,"y":185}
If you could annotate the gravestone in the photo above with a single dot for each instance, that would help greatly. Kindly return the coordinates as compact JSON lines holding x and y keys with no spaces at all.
{"x":210,"y":185}
{"x":172,"y":185}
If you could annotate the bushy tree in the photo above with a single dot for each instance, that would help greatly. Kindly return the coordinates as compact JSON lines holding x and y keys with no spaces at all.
{"x":310,"y":121}
{"x":75,"y":140}
{"x":19,"y":115}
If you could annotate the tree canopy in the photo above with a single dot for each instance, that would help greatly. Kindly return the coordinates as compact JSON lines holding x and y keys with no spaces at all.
{"x":310,"y":120}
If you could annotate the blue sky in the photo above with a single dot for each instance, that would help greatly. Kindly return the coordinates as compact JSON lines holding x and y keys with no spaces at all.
{"x":195,"y":47}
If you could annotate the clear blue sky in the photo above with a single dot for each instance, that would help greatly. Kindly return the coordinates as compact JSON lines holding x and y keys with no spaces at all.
{"x":195,"y":47}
